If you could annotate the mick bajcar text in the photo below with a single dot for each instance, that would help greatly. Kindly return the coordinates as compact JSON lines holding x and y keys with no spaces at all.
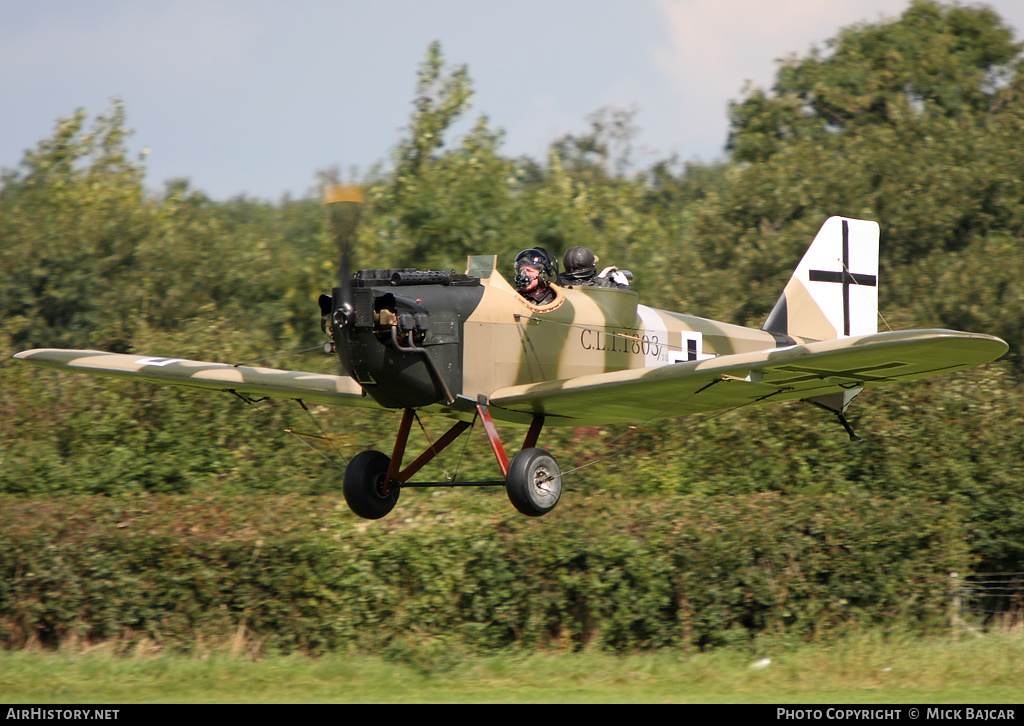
{"x":890,"y":714}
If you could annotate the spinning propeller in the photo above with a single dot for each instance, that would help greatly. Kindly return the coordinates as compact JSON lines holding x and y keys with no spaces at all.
{"x":344,"y":204}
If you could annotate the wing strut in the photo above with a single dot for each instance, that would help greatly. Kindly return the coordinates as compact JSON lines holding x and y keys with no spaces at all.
{"x":492,"y":435}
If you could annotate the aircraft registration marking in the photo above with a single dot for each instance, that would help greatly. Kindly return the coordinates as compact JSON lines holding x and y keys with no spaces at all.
{"x":648,"y":345}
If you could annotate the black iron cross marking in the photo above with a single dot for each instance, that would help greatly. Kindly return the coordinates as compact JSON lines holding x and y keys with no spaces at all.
{"x":859,"y":375}
{"x":845,"y":277}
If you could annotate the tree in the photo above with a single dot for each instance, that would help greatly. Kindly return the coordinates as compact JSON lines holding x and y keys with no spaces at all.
{"x":439,"y":205}
{"x":936,"y":60}
{"x":914,"y":123}
{"x":71,"y":220}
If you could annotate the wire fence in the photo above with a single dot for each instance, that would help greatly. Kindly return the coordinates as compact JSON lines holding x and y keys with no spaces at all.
{"x":988,"y":599}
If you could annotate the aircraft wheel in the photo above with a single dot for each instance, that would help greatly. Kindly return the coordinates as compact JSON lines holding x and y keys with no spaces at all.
{"x":364,"y":481}
{"x":534,"y":482}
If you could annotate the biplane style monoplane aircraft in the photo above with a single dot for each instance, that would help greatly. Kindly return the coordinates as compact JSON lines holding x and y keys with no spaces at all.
{"x":471,"y":347}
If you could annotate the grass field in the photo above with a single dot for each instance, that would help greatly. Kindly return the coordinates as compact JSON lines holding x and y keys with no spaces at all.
{"x":864,"y":669}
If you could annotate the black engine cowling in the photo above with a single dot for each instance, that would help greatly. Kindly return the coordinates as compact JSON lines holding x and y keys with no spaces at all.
{"x":402,"y":340}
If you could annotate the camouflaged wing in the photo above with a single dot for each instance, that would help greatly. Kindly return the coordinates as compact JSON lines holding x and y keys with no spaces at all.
{"x":248,"y":380}
{"x":732,"y":381}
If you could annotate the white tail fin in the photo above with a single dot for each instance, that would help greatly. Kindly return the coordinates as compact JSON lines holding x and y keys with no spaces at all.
{"x":833,"y":292}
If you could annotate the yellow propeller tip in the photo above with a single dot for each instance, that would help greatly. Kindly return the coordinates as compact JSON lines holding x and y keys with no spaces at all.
{"x":343,"y":193}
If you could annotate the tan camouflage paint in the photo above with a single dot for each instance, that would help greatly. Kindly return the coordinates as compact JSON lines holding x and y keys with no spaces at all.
{"x":248,"y":380}
{"x":804,"y":317}
{"x":595,"y":356}
{"x":585,"y":331}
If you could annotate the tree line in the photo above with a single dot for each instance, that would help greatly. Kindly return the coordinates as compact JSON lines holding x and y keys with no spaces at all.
{"x":915,"y":123}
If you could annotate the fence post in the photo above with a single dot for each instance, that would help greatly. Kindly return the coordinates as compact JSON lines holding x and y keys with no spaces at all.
{"x":956,"y":620}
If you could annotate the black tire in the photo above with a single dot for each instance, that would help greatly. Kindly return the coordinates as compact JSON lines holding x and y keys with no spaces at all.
{"x":365,"y":477}
{"x":534,"y":482}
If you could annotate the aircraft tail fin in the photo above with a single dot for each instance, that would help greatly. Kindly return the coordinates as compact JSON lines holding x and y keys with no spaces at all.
{"x":833,"y":292}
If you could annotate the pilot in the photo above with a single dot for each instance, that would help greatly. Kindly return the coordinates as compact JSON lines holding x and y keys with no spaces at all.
{"x":580,"y":269}
{"x":579,"y":263}
{"x":535,"y":269}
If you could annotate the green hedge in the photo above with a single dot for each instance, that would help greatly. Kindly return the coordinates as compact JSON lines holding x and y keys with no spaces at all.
{"x":466,"y":573}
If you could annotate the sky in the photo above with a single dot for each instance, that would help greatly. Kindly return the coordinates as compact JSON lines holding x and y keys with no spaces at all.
{"x":254,"y":97}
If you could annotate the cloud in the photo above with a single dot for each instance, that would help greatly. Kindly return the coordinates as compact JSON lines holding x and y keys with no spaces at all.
{"x":715,"y":48}
{"x":725,"y":42}
{"x":255,"y":95}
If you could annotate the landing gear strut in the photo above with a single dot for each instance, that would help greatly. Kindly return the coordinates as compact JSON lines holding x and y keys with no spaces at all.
{"x":532,"y":480}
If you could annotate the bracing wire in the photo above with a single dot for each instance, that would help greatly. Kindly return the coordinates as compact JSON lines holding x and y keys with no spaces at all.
{"x":452,"y":477}
{"x":298,"y":436}
{"x":665,"y":413}
{"x":853,"y":277}
{"x":430,"y":446}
